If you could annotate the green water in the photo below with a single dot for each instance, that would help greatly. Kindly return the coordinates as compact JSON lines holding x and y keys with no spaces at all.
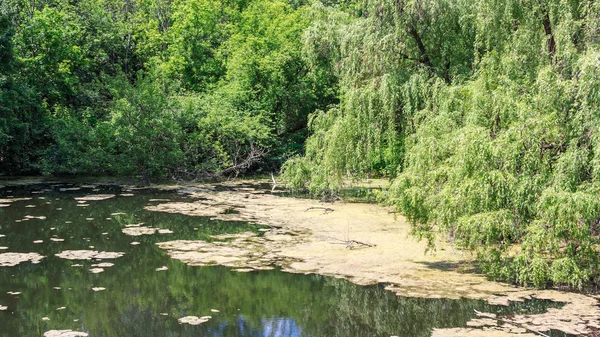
{"x":140,"y":301}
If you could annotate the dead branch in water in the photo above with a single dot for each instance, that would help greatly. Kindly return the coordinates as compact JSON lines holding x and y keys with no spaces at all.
{"x":243,"y":161}
{"x":349,"y":243}
{"x":482,"y":314}
{"x":325,"y":209}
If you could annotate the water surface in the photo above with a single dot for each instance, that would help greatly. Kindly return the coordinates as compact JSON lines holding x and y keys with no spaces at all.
{"x":140,"y":301}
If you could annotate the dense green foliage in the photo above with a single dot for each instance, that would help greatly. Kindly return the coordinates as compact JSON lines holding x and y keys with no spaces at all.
{"x":484,"y":113}
{"x":154,"y":88}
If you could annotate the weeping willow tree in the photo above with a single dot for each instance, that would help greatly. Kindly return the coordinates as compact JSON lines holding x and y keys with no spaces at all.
{"x":385,"y":60}
{"x":485,"y":114}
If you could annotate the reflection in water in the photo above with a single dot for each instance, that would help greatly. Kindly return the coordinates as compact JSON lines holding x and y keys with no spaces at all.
{"x":141,"y":301}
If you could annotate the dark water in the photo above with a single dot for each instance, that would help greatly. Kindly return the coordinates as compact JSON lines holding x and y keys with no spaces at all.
{"x":140,"y":301}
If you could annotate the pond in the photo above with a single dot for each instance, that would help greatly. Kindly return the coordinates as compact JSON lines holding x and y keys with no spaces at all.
{"x":142,"y":292}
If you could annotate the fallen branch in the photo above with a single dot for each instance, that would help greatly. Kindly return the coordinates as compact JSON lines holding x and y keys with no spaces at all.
{"x":325,"y":209}
{"x":482,"y":314}
{"x":349,"y":243}
{"x":254,"y":155}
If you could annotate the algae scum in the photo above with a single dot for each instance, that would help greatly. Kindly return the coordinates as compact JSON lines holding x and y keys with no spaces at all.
{"x":84,"y":258}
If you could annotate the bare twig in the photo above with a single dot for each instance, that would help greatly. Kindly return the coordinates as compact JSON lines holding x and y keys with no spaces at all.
{"x":325,"y":209}
{"x":482,"y":314}
{"x":349,"y":243}
{"x":255,"y":155}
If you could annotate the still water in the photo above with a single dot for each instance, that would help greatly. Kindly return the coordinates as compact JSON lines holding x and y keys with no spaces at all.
{"x":139,"y":300}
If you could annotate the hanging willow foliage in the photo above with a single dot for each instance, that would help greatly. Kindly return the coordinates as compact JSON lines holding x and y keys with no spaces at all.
{"x":485,"y":114}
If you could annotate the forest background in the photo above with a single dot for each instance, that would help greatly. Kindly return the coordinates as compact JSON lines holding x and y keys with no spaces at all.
{"x":483,"y":113}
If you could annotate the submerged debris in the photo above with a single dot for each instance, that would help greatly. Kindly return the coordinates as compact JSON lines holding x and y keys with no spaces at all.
{"x":194,"y":320}
{"x":96,"y":270}
{"x":13,"y":259}
{"x":88,"y":255}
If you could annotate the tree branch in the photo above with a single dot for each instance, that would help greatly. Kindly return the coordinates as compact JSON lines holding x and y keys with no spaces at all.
{"x":424,"y":56}
{"x":550,"y":36}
